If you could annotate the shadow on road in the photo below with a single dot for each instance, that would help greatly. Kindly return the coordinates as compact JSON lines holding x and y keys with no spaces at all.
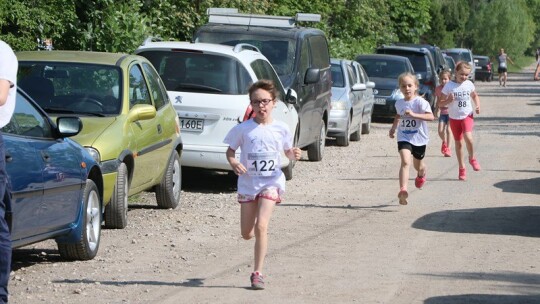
{"x":530,"y":186}
{"x":22,"y":258}
{"x":484,"y":299}
{"x":521,"y":221}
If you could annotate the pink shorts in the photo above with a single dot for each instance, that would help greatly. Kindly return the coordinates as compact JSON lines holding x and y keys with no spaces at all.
{"x":460,"y":126}
{"x":272,"y":193}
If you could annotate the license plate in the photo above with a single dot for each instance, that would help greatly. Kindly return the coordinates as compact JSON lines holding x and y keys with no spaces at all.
{"x":479,"y":68}
{"x":380,"y":101}
{"x":191,"y":124}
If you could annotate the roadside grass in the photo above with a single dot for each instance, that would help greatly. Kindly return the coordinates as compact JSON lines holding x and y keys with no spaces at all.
{"x":519,"y":64}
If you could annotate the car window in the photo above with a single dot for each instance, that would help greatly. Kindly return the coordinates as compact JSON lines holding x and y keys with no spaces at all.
{"x":187,"y":71}
{"x":263,"y":70}
{"x":351,"y":75}
{"x":319,"y":50}
{"x":337,"y":76}
{"x":382,"y":68}
{"x":138,"y":91}
{"x":305,"y":61}
{"x":279,"y":51}
{"x":77,"y":87}
{"x":27,"y":121}
{"x":159,"y":94}
{"x":363,"y":74}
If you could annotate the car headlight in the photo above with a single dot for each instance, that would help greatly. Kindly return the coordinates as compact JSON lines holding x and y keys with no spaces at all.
{"x":397,"y":94}
{"x":94,"y":153}
{"x":339,"y":105}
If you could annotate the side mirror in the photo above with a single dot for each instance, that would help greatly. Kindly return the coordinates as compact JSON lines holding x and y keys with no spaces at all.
{"x":68,"y":126}
{"x":141,"y":112}
{"x":291,"y":96}
{"x":359,"y":87}
{"x":312,"y":76}
{"x":370,"y":84}
{"x":419,"y":76}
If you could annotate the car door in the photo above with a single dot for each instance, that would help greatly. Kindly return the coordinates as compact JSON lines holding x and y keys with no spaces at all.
{"x":368,"y":96}
{"x":355,"y":96}
{"x":146,"y":133}
{"x":45,"y":174}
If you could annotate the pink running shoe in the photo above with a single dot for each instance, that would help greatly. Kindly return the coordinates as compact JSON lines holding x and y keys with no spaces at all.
{"x":444,"y":147}
{"x":474,"y":163}
{"x":447,"y":152}
{"x":419,"y":181}
{"x":403,"y":195}
{"x":462,"y":174}
{"x":257,"y":282}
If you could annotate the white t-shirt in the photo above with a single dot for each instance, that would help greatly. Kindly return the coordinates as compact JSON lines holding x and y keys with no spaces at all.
{"x":461,"y":107}
{"x":413,"y":130}
{"x":8,"y":71}
{"x":261,"y":147}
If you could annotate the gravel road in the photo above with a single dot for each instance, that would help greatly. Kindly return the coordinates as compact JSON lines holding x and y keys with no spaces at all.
{"x":340,"y":236}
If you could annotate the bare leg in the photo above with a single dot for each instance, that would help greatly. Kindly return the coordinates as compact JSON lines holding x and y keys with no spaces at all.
{"x":248,"y":215}
{"x":469,"y":144}
{"x":266,"y":207}
{"x":459,"y":153}
{"x":404,"y":168}
{"x":420,"y":166}
{"x":448,"y":136}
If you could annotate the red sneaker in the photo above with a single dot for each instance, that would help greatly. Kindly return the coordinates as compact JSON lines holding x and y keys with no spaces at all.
{"x":444,"y":147}
{"x":257,"y":282}
{"x":462,"y":174}
{"x":419,"y":181}
{"x":474,"y":163}
{"x":447,"y":152}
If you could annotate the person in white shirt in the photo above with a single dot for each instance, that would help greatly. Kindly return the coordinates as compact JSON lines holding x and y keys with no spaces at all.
{"x":412,"y":133}
{"x":460,"y":95}
{"x":261,"y":183}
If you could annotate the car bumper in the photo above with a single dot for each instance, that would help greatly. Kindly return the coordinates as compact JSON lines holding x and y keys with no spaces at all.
{"x":337,"y":122}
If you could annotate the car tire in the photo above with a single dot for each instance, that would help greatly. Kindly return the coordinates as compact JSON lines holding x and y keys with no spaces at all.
{"x":89,"y":231}
{"x":343,"y":141}
{"x":316,"y":149}
{"x":288,"y":171}
{"x":116,"y":210}
{"x":168,"y":191}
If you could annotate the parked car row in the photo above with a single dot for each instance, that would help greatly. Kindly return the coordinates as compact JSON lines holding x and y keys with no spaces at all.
{"x":136,"y":119}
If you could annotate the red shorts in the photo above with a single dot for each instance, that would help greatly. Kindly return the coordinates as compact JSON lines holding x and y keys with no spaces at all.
{"x":272,"y":193}
{"x":460,"y":126}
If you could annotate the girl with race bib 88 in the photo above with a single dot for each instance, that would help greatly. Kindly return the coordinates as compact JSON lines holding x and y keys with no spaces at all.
{"x":460,"y":95}
{"x":260,"y":180}
{"x":412,"y":133}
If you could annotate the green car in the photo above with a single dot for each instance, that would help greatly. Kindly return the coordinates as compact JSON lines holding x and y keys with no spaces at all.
{"x":129,"y":124}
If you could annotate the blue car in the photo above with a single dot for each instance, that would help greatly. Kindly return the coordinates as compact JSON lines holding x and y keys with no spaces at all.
{"x":56,"y":185}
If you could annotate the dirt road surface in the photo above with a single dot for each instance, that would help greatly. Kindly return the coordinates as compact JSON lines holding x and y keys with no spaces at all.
{"x":340,"y":236}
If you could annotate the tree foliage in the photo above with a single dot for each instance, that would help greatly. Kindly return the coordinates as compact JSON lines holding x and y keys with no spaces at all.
{"x":352,"y":26}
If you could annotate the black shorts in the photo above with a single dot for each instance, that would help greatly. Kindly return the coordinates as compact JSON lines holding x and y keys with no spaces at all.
{"x":502,"y":70}
{"x":418,"y":152}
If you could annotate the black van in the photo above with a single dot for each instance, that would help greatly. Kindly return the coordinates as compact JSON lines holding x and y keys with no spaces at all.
{"x":299,"y":55}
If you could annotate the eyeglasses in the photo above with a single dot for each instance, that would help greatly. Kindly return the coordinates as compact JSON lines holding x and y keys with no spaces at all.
{"x":261,"y":101}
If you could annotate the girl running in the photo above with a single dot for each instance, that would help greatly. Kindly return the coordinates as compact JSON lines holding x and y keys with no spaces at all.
{"x":443,"y":129}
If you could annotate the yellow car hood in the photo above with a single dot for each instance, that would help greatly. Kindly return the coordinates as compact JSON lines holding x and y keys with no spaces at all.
{"x":92,"y":128}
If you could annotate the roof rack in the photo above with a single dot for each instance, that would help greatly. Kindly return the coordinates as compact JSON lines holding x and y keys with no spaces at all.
{"x":245,"y":46}
{"x":231,"y":16}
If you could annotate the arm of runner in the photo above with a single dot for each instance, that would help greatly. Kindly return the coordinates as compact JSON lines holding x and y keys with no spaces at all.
{"x":237,"y":166}
{"x":423,"y":116}
{"x":392,"y":130}
{"x":294,"y":153}
{"x":476,"y":100}
{"x":446,"y":99}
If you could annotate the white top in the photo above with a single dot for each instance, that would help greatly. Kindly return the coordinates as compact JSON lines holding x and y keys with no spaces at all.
{"x":8,"y":71}
{"x":461,"y":106}
{"x":261,"y":148}
{"x":413,"y":130}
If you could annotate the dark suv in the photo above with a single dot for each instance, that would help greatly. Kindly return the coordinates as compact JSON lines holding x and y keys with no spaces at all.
{"x":423,"y":65}
{"x":299,"y":55}
{"x":436,"y":54}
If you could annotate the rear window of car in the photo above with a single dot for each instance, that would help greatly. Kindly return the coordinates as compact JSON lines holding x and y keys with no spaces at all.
{"x":482,"y":61}
{"x":418,"y":60}
{"x":279,"y":51}
{"x":383,"y":68}
{"x":188,"y":71}
{"x":460,"y":56}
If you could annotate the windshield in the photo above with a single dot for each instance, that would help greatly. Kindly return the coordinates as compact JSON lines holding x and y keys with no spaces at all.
{"x":279,"y":51}
{"x":383,"y":68}
{"x":72,"y":87}
{"x":460,"y":56}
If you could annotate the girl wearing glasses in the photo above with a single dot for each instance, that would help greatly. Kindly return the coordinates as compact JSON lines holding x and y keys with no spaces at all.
{"x":260,"y":180}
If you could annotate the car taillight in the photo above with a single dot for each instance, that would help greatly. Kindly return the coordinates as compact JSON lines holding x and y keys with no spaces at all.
{"x":249,"y":113}
{"x":489,"y":67}
{"x":428,"y":82}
